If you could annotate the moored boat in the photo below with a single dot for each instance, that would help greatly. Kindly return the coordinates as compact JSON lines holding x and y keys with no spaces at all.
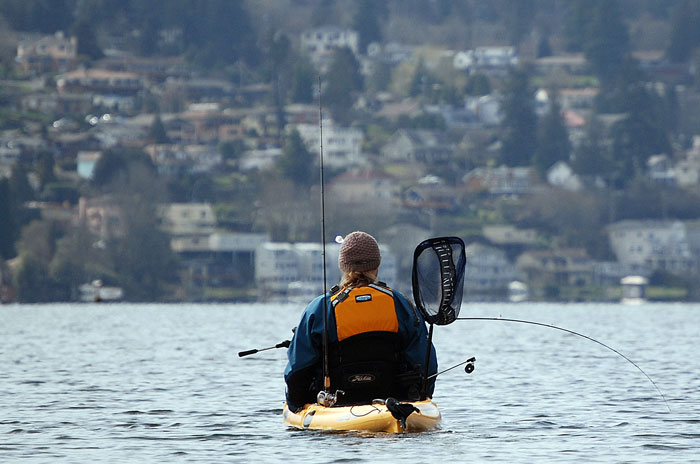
{"x":375,"y":417}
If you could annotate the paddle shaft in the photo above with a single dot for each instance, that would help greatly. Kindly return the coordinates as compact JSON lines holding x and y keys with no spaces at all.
{"x":284,"y":344}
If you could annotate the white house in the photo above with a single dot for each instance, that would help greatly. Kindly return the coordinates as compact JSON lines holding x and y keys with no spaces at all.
{"x":283,"y":268}
{"x":342,"y":146}
{"x":488,"y":270}
{"x":561,"y":175}
{"x":323,"y":40}
{"x":662,"y":245}
{"x":486,"y":59}
{"x":418,"y":145}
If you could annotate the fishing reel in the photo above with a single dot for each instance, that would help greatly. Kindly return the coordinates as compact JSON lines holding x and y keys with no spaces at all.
{"x":328,"y":399}
{"x":469,"y":367}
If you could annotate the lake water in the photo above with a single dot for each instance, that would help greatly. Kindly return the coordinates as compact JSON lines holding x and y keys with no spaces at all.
{"x":163,"y":383}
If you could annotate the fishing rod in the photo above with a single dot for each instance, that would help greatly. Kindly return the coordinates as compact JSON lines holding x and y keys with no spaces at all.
{"x":324,"y":396}
{"x":282,"y":344}
{"x":542,"y":324}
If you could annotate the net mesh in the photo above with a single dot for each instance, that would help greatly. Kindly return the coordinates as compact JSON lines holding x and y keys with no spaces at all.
{"x":438,"y":279}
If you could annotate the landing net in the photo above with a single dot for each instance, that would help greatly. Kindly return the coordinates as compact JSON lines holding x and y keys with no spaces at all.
{"x":438,"y":279}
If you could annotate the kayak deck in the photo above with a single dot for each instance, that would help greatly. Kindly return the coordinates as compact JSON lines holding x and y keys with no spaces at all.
{"x":365,"y":417}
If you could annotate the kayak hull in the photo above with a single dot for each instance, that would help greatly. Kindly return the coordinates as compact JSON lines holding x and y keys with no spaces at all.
{"x":363,"y":417}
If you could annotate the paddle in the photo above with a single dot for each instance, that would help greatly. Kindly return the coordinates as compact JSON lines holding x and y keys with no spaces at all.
{"x":284,"y":344}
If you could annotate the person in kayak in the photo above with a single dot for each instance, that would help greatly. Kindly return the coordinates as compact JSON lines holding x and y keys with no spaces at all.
{"x":377,"y":340}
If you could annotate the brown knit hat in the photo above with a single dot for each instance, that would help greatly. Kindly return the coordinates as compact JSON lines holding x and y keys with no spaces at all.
{"x":359,"y":252}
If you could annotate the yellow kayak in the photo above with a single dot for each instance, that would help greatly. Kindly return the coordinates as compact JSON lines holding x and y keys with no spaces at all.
{"x":374,"y":417}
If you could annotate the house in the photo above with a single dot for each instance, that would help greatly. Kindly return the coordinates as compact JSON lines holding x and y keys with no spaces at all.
{"x":219,"y":259}
{"x":486,"y":109}
{"x":86,"y":161}
{"x":418,"y":146}
{"x":259,"y":160}
{"x":51,"y":53}
{"x":54,"y":103}
{"x":501,"y":181}
{"x":100,"y":81}
{"x":430,"y":193}
{"x":102,"y":216}
{"x":188,"y":219}
{"x":174,"y":159}
{"x":323,"y":40}
{"x":561,"y":175}
{"x":658,"y":245}
{"x":282,"y":269}
{"x":509,"y":235}
{"x":495,"y":60}
{"x":558,"y":64}
{"x":661,"y":169}
{"x":563,"y":267}
{"x":342,"y":146}
{"x":570,"y":99}
{"x":365,"y":187}
{"x":488,"y":270}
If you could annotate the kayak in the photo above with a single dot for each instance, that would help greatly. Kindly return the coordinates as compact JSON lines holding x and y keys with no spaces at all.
{"x":375,"y":417}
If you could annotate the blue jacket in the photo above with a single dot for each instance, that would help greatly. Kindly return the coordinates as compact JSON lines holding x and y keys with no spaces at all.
{"x":305,"y":352}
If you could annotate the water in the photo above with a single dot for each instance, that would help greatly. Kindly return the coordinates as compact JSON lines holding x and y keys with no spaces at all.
{"x":163,"y":383}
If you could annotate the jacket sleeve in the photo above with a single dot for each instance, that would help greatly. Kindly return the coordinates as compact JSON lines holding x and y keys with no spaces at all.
{"x":415,"y":335}
{"x":304,"y":356}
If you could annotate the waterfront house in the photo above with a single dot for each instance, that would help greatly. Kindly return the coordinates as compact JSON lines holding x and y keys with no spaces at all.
{"x":658,"y":245}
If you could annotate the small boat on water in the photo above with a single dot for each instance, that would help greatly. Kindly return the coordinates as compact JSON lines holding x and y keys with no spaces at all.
{"x":375,"y":417}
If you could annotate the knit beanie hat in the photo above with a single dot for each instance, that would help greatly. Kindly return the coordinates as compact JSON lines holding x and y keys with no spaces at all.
{"x":359,"y":252}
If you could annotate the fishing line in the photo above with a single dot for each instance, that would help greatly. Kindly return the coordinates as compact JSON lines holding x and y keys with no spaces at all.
{"x":542,"y":324}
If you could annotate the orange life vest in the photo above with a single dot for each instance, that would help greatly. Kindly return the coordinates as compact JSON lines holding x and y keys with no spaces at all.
{"x":364,"y":309}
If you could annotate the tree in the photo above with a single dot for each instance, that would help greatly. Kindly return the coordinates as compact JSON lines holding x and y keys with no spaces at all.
{"x":684,"y":31}
{"x":45,"y":169}
{"x":7,"y":221}
{"x":115,"y":163}
{"x":519,"y":123}
{"x":591,"y":157}
{"x":143,"y":263}
{"x":342,"y":81}
{"x":296,"y":162}
{"x":477,"y":85}
{"x":31,"y":280}
{"x":157,"y":131}
{"x":303,"y":80}
{"x":367,"y":22}
{"x":552,"y":139}
{"x":87,"y":41}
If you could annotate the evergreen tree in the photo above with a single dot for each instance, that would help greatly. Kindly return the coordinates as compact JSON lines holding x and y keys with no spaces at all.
{"x":367,"y":22}
{"x":7,"y":221}
{"x":157,"y":131}
{"x":606,"y":44}
{"x":342,"y":81}
{"x":685,"y":35}
{"x":87,"y":41}
{"x":19,"y":184}
{"x":591,"y":157}
{"x":552,"y":139}
{"x":519,"y":123}
{"x":296,"y":162}
{"x":303,"y":80}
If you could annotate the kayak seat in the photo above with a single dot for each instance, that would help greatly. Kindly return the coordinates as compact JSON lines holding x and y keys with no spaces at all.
{"x":367,"y":366}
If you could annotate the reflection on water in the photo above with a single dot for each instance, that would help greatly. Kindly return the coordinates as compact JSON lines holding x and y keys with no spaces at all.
{"x":155,"y":383}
